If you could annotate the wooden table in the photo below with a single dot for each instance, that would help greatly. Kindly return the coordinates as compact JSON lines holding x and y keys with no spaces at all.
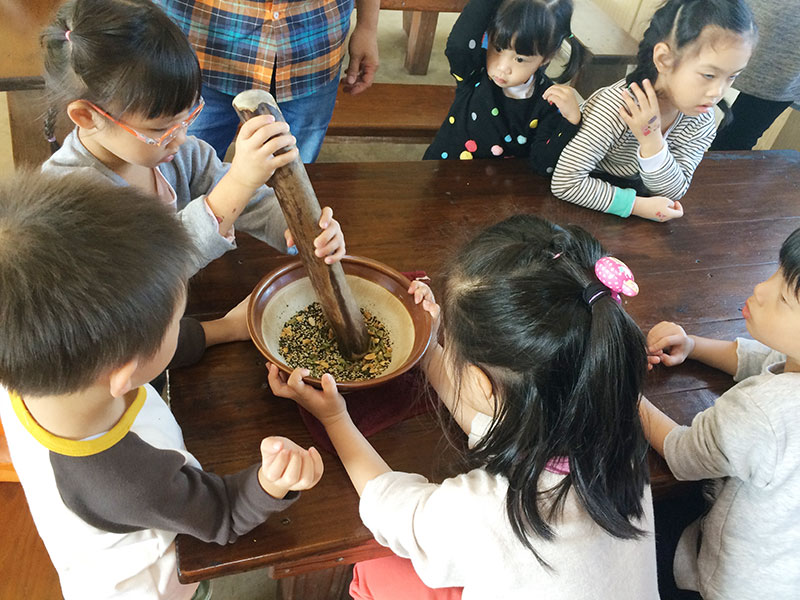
{"x":697,"y":271}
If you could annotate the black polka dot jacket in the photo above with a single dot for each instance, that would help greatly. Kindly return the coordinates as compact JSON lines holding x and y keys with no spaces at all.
{"x":485,"y":123}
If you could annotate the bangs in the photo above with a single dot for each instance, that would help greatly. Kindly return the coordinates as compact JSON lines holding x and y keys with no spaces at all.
{"x":528,"y":28}
{"x":162,"y":83}
{"x":790,"y":261}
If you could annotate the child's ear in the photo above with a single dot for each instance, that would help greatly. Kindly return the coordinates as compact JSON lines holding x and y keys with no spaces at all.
{"x":663,"y":58}
{"x":80,"y":113}
{"x":120,"y":379}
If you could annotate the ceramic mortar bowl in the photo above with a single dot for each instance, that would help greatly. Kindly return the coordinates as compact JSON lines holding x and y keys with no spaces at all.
{"x":376,"y":287}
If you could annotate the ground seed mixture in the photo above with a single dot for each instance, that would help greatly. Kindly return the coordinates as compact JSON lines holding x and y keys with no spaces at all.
{"x":307,"y":340}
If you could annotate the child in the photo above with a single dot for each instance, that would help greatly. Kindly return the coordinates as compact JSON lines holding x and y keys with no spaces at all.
{"x":647,"y":133}
{"x":747,"y":544}
{"x":131,"y":84}
{"x":94,"y":283}
{"x":505,"y":105}
{"x":542,"y":370}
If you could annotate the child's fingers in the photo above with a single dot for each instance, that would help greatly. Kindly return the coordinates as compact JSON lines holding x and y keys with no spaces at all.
{"x":306,"y":477}
{"x":260,"y":136}
{"x":641,"y":97}
{"x":677,"y":206}
{"x":289,"y":238}
{"x":278,"y":381}
{"x":255,"y":124}
{"x":329,"y":386}
{"x":327,"y":235}
{"x":271,"y":445}
{"x":629,"y":104}
{"x":316,"y":460}
{"x":291,"y":474}
{"x":432,"y":308}
{"x":336,"y":255}
{"x":271,"y":146}
{"x":650,"y":91}
{"x":326,"y":217}
{"x":665,"y":342}
{"x":274,"y":470}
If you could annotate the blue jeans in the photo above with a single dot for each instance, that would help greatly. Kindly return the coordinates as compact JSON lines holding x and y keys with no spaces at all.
{"x":308,"y":119}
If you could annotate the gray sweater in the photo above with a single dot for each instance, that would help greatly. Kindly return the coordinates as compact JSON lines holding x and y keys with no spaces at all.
{"x":193,"y":172}
{"x":773,"y":72}
{"x":749,"y":442}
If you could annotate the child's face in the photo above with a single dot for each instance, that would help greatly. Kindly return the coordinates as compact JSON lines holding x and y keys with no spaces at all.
{"x":700,"y":79}
{"x":772,"y":315}
{"x":126,"y":146}
{"x":507,"y":69}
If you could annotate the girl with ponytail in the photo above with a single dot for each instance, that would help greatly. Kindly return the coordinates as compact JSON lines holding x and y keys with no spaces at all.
{"x":505,"y":106}
{"x":542,"y":368}
{"x":642,"y":138}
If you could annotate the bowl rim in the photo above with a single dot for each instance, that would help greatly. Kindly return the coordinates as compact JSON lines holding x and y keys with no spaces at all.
{"x":294,"y":264}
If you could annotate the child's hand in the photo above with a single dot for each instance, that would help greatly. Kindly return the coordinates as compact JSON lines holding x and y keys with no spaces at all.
{"x":287,"y":467}
{"x":657,"y":208}
{"x":668,"y":344}
{"x":643,"y":117}
{"x":327,"y":405}
{"x":423,"y":293}
{"x":230,"y":328}
{"x":258,"y":140}
{"x":563,"y":96}
{"x":329,"y":244}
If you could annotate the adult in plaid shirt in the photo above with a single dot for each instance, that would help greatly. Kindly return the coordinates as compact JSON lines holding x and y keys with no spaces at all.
{"x":294,"y":48}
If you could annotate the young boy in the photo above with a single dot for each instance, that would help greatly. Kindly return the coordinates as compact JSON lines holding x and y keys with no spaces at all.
{"x":94,"y":284}
{"x":748,"y":544}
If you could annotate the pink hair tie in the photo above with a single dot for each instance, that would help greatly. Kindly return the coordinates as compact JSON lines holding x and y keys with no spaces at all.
{"x":66,"y":34}
{"x":616,"y":276}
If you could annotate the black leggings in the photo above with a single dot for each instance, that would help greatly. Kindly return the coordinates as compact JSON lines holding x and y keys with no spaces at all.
{"x":751,"y":118}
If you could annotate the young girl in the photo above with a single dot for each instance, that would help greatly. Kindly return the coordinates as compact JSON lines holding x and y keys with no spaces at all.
{"x":543,"y":370}
{"x":642,"y":138}
{"x":505,"y":105}
{"x":748,"y":443}
{"x":131,"y":84}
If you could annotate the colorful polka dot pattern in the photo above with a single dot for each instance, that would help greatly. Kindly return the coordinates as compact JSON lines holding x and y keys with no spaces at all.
{"x":495,"y":112}
{"x":534,"y":124}
{"x":497,"y":150}
{"x":471,"y":145}
{"x":616,"y":276}
{"x":465,"y":155}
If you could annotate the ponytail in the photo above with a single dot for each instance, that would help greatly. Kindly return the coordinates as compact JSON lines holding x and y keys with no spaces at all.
{"x":577,"y":56}
{"x":567,"y":373}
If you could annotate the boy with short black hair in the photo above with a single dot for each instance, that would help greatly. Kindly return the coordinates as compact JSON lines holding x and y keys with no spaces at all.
{"x":748,"y":442}
{"x":94,"y":284}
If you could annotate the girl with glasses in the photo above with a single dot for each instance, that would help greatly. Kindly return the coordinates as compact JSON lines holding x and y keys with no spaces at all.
{"x":130,"y":83}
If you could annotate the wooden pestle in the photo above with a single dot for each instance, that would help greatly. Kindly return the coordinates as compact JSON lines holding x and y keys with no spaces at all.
{"x":302,"y":211}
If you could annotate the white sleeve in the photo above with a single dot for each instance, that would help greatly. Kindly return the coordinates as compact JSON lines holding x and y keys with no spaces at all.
{"x":428,"y":523}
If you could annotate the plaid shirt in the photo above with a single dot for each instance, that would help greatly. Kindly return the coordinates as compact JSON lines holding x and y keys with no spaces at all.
{"x":239,"y":42}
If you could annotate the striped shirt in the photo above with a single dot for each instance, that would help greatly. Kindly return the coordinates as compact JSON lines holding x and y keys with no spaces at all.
{"x":605,"y":144}
{"x":242,"y":44}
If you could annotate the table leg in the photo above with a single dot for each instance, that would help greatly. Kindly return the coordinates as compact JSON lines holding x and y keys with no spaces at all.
{"x":421,"y":29}
{"x":327,"y":584}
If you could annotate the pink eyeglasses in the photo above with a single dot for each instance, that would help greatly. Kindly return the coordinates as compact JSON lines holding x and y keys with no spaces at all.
{"x":168,"y":136}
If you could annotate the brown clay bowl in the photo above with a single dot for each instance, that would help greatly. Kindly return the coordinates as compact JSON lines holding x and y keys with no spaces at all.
{"x":376,"y":287}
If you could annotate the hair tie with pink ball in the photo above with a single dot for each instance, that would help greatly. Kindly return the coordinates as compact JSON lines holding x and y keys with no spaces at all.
{"x":616,"y":276}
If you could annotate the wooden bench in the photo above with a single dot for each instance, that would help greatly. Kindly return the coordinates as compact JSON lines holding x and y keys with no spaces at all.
{"x":610,"y":48}
{"x":391,"y":112}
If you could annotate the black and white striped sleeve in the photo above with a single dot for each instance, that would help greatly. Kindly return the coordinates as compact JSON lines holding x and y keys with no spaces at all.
{"x":682,"y":155}
{"x":601,"y":128}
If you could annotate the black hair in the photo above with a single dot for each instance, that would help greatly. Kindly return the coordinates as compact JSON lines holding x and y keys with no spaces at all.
{"x":566,"y":375}
{"x":680,"y":23}
{"x":790,"y":261}
{"x":91,"y":274}
{"x":126,"y":56}
{"x":537,"y":28}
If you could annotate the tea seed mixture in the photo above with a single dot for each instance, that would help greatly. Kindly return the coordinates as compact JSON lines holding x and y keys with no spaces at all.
{"x":307,"y":340}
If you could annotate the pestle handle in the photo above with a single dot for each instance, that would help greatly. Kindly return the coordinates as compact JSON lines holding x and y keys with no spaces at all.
{"x":302,"y":211}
